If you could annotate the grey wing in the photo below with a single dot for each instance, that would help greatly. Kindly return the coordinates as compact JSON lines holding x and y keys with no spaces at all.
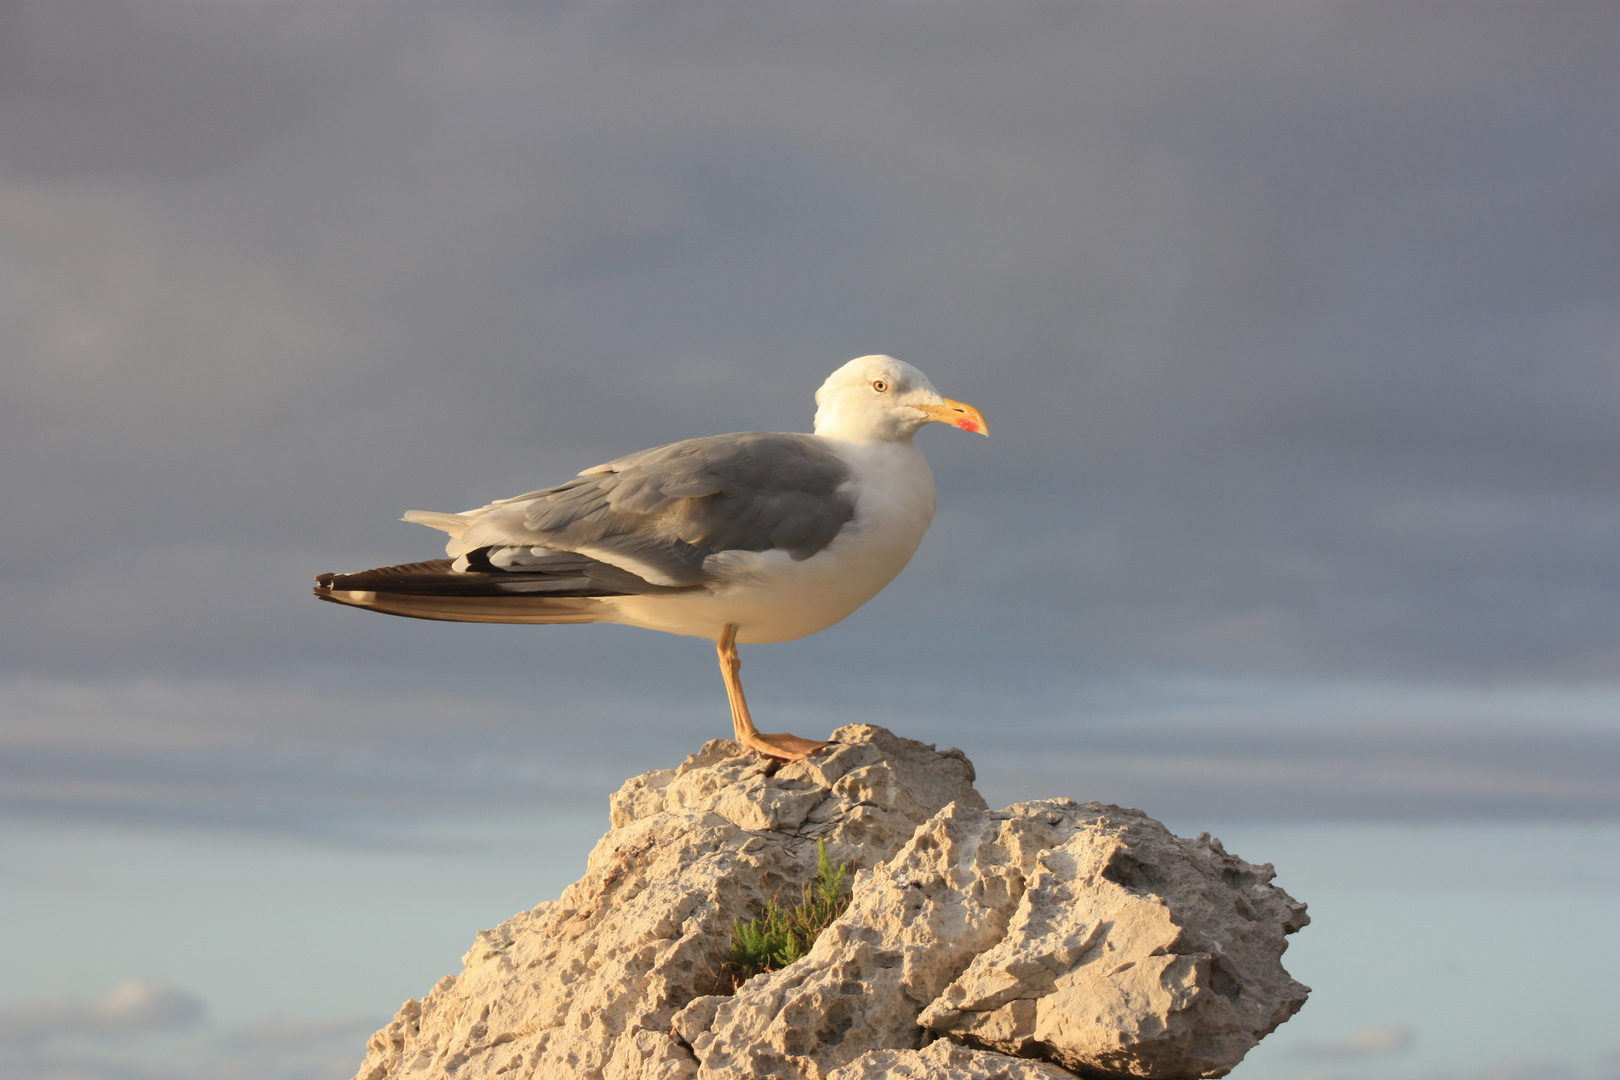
{"x":660,"y":513}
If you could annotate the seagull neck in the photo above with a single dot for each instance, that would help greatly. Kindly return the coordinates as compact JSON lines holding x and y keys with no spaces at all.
{"x":865,"y":454}
{"x":862,"y":435}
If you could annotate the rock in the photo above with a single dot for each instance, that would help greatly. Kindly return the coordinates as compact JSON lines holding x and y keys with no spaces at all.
{"x":912,"y":926}
{"x":975,"y":942}
{"x":587,"y":985}
{"x":1086,"y":935}
{"x":944,"y":1060}
{"x":1130,"y":952}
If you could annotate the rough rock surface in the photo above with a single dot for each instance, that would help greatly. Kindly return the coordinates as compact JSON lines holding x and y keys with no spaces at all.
{"x":944,"y":1060}
{"x":1131,"y":951}
{"x":586,"y":985}
{"x":1084,"y":935}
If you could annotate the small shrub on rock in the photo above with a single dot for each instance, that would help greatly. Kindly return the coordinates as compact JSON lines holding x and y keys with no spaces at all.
{"x":782,"y":935}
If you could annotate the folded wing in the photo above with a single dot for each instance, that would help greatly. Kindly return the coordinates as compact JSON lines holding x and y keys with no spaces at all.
{"x":643,"y":524}
{"x":660,"y":513}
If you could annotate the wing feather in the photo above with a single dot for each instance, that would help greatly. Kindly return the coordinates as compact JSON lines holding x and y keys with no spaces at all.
{"x":659,"y":514}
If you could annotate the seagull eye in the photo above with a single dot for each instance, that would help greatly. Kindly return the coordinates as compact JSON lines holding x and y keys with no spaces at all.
{"x":879,"y":385}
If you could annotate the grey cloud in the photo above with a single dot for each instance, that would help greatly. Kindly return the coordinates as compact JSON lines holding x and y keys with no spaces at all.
{"x":379,"y":765}
{"x":159,"y":92}
{"x":1295,"y":326}
{"x":1407,"y":771}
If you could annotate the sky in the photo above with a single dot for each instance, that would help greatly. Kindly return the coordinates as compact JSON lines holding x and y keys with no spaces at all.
{"x":1295,"y":323}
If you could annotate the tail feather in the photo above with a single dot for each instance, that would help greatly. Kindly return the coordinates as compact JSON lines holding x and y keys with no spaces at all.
{"x":431,"y":590}
{"x":454,"y":524}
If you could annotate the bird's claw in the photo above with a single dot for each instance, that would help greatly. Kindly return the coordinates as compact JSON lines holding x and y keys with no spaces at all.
{"x":784,"y":746}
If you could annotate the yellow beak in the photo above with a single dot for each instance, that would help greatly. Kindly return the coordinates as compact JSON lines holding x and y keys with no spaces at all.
{"x":956,"y":414}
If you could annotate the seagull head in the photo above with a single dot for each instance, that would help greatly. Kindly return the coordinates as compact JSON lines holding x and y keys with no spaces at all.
{"x":881,"y":399}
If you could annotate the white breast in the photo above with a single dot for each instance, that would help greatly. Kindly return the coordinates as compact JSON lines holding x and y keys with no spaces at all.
{"x":773,"y":598}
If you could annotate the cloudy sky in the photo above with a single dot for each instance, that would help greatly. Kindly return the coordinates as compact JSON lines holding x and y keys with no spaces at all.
{"x":1296,"y":324}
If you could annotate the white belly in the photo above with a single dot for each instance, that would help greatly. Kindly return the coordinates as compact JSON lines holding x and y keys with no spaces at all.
{"x":772,"y":598}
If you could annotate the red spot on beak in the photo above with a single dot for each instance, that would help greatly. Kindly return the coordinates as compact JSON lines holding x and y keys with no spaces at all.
{"x":967,"y":425}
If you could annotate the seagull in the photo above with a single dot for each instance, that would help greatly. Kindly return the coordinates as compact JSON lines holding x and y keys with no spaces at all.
{"x":741,"y":539}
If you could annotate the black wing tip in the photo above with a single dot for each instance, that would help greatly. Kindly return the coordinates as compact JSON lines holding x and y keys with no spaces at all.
{"x":381,"y":578}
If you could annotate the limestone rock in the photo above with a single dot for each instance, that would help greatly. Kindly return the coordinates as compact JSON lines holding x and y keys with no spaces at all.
{"x":944,"y":1060}
{"x":1086,"y":935}
{"x":912,"y":926}
{"x":975,"y":941}
{"x":1132,"y":952}
{"x":587,"y":985}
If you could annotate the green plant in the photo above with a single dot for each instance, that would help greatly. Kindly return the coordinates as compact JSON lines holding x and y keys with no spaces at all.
{"x":783,"y":934}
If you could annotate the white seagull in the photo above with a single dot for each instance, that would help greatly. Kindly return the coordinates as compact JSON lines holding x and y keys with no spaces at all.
{"x":751,"y":537}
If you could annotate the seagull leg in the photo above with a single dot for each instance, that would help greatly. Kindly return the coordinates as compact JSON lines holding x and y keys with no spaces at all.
{"x":790,"y":747}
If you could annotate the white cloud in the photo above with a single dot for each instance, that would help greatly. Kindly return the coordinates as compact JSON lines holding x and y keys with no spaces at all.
{"x":287,"y":1032}
{"x":147,"y":1031}
{"x":129,"y":1009}
{"x":1375,"y":1040}
{"x":1367,"y":1043}
{"x":139,"y":1006}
